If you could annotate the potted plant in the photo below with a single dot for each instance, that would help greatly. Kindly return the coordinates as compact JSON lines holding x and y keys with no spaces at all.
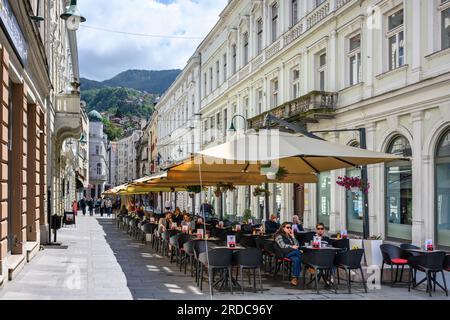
{"x":267,"y":169}
{"x":353,"y":184}
{"x":247,"y":214}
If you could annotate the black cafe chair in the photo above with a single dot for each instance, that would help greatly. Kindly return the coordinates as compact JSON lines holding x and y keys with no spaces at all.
{"x":431,"y":263}
{"x":200,"y":246}
{"x":322,"y":262}
{"x":248,"y":241}
{"x":350,"y":260}
{"x":281,"y":261}
{"x":250,"y":259}
{"x":393,"y":256}
{"x":343,"y":244}
{"x":218,"y":259}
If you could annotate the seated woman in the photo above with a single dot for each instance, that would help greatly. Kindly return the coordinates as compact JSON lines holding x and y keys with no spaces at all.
{"x":289,"y":245}
{"x":296,"y":225}
{"x":187,"y":221}
{"x":165,"y":223}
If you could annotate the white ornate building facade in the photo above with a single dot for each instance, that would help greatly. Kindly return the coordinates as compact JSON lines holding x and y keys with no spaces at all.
{"x":335,"y":64}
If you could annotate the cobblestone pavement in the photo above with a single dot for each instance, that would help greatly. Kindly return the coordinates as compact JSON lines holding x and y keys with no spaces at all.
{"x":98,"y":261}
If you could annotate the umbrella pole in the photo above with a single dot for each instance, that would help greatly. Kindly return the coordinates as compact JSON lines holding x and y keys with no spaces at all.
{"x":364,"y":177}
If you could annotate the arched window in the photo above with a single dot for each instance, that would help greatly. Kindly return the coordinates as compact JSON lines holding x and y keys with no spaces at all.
{"x":443,"y":190}
{"x":354,"y":200}
{"x":399,"y":190}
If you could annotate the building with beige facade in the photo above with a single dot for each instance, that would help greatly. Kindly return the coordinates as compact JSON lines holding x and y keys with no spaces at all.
{"x":40,"y":110}
{"x":382,"y":65}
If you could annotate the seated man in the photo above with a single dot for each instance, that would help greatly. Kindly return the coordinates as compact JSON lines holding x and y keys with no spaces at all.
{"x":272,"y":225}
{"x":320,"y":232}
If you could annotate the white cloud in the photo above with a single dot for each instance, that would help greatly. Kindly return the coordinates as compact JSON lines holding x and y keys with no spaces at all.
{"x":104,"y":54}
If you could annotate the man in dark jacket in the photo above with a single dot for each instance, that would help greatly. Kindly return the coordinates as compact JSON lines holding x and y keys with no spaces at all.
{"x":272,"y":225}
{"x":83,"y":205}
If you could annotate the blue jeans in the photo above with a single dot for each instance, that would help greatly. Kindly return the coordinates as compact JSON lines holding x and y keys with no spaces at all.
{"x":296,"y":258}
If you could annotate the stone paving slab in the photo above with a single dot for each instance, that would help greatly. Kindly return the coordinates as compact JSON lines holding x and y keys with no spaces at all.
{"x":101,"y":262}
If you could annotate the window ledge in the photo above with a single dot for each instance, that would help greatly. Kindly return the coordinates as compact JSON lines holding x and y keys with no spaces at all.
{"x":348,"y":88}
{"x":391,"y":72}
{"x":438,"y":54}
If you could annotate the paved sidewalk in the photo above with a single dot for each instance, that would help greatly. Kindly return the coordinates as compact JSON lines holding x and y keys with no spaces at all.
{"x":98,"y":261}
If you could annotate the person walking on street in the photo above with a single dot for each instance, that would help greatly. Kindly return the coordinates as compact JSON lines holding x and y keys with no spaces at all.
{"x":108,"y":207}
{"x":102,"y":207}
{"x":91,"y":206}
{"x":75,"y":207}
{"x":83,"y":205}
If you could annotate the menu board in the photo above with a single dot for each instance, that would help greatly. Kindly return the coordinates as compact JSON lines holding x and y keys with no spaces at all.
{"x":185,"y":229}
{"x":231,"y":241}
{"x":200,"y":233}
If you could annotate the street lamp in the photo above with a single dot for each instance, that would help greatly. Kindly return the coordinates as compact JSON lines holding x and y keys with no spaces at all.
{"x":232,"y":126}
{"x":72,"y":16}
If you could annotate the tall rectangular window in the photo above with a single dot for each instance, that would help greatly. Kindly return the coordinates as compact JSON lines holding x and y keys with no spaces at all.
{"x":233,"y":59}
{"x":274,"y":91}
{"x":396,"y":40}
{"x":205,"y":84}
{"x":225,"y":122}
{"x":217,"y":73}
{"x":295,"y":93}
{"x":259,"y":36}
{"x":246,"y":108}
{"x":259,"y":102}
{"x":274,"y":15}
{"x":294,"y":12}
{"x":354,"y":56}
{"x":210,"y":79}
{"x":193,"y":105}
{"x":245,"y":49}
{"x":445,"y":26}
{"x":322,"y":71}
{"x":224,"y":71}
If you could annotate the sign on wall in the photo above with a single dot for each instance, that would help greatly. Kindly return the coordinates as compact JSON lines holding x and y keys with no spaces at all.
{"x":12,"y":29}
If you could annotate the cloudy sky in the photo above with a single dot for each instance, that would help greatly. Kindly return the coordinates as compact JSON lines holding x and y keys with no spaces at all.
{"x":105,"y":54}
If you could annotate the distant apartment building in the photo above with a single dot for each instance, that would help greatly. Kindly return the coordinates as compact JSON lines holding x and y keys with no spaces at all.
{"x":127,"y":158}
{"x":98,"y":162}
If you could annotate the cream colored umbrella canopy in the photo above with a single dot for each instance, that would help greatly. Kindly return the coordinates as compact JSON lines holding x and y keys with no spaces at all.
{"x":296,"y":154}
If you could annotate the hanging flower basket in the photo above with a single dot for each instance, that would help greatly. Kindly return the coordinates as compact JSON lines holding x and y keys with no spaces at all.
{"x":267,"y":169}
{"x":194,"y":189}
{"x":258,"y":191}
{"x":353,"y":184}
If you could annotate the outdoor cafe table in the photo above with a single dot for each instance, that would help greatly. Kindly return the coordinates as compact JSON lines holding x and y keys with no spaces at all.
{"x":425,"y":252}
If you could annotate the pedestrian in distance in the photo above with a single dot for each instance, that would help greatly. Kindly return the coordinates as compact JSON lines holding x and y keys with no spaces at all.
{"x":109,"y":206}
{"x":102,"y":207}
{"x":91,"y":206}
{"x":83,"y":205}
{"x":75,"y":207}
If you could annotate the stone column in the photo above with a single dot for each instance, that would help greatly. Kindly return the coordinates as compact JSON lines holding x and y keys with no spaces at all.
{"x":33,"y":174}
{"x":376,"y":178}
{"x":418,"y":191}
{"x":4,"y":137}
{"x":332,"y":64}
{"x":335,"y":199}
{"x":310,"y":211}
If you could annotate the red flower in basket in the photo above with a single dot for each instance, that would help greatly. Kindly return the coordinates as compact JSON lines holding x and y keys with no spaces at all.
{"x":353,"y":184}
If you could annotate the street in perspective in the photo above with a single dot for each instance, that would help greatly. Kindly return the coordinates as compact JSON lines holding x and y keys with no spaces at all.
{"x":243,"y":151}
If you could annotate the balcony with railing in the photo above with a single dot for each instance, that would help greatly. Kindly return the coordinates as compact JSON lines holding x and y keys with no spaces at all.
{"x":311,"y":107}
